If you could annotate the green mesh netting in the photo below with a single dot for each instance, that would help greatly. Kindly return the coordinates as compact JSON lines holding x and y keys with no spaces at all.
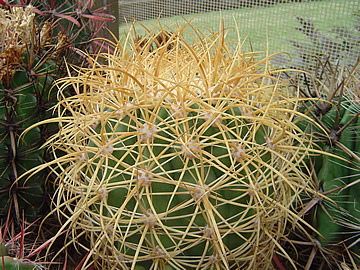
{"x":298,"y":27}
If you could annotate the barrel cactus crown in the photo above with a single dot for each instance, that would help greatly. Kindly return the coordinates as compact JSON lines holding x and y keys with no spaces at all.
{"x":180,"y":154}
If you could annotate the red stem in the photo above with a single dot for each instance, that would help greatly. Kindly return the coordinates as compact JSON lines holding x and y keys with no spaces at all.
{"x":276,"y":263}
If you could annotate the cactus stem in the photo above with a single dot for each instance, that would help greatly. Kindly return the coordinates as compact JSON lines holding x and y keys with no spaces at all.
{"x":13,"y":165}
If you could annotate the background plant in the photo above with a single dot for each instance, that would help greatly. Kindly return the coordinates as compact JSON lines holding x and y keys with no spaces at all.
{"x":19,"y":250}
{"x":337,"y":44}
{"x":36,"y":41}
{"x":334,"y":108}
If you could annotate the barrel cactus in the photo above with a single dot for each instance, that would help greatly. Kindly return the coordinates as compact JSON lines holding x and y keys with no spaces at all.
{"x":18,"y":251}
{"x":335,"y":110}
{"x":180,"y":154}
{"x":19,"y":89}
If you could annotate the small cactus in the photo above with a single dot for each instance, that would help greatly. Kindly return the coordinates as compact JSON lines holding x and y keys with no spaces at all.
{"x":15,"y":264}
{"x":333,"y":104}
{"x":35,"y":42}
{"x":14,"y":253}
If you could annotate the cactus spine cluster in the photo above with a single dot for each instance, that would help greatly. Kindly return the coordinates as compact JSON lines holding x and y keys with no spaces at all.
{"x":180,"y":155}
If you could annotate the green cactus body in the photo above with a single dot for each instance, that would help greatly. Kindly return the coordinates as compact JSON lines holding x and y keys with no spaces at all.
{"x":336,"y":170}
{"x":334,"y":212}
{"x":33,"y":50}
{"x":10,"y":263}
{"x":24,"y":97}
{"x":3,"y":250}
{"x":17,"y":264}
{"x":183,"y":157}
